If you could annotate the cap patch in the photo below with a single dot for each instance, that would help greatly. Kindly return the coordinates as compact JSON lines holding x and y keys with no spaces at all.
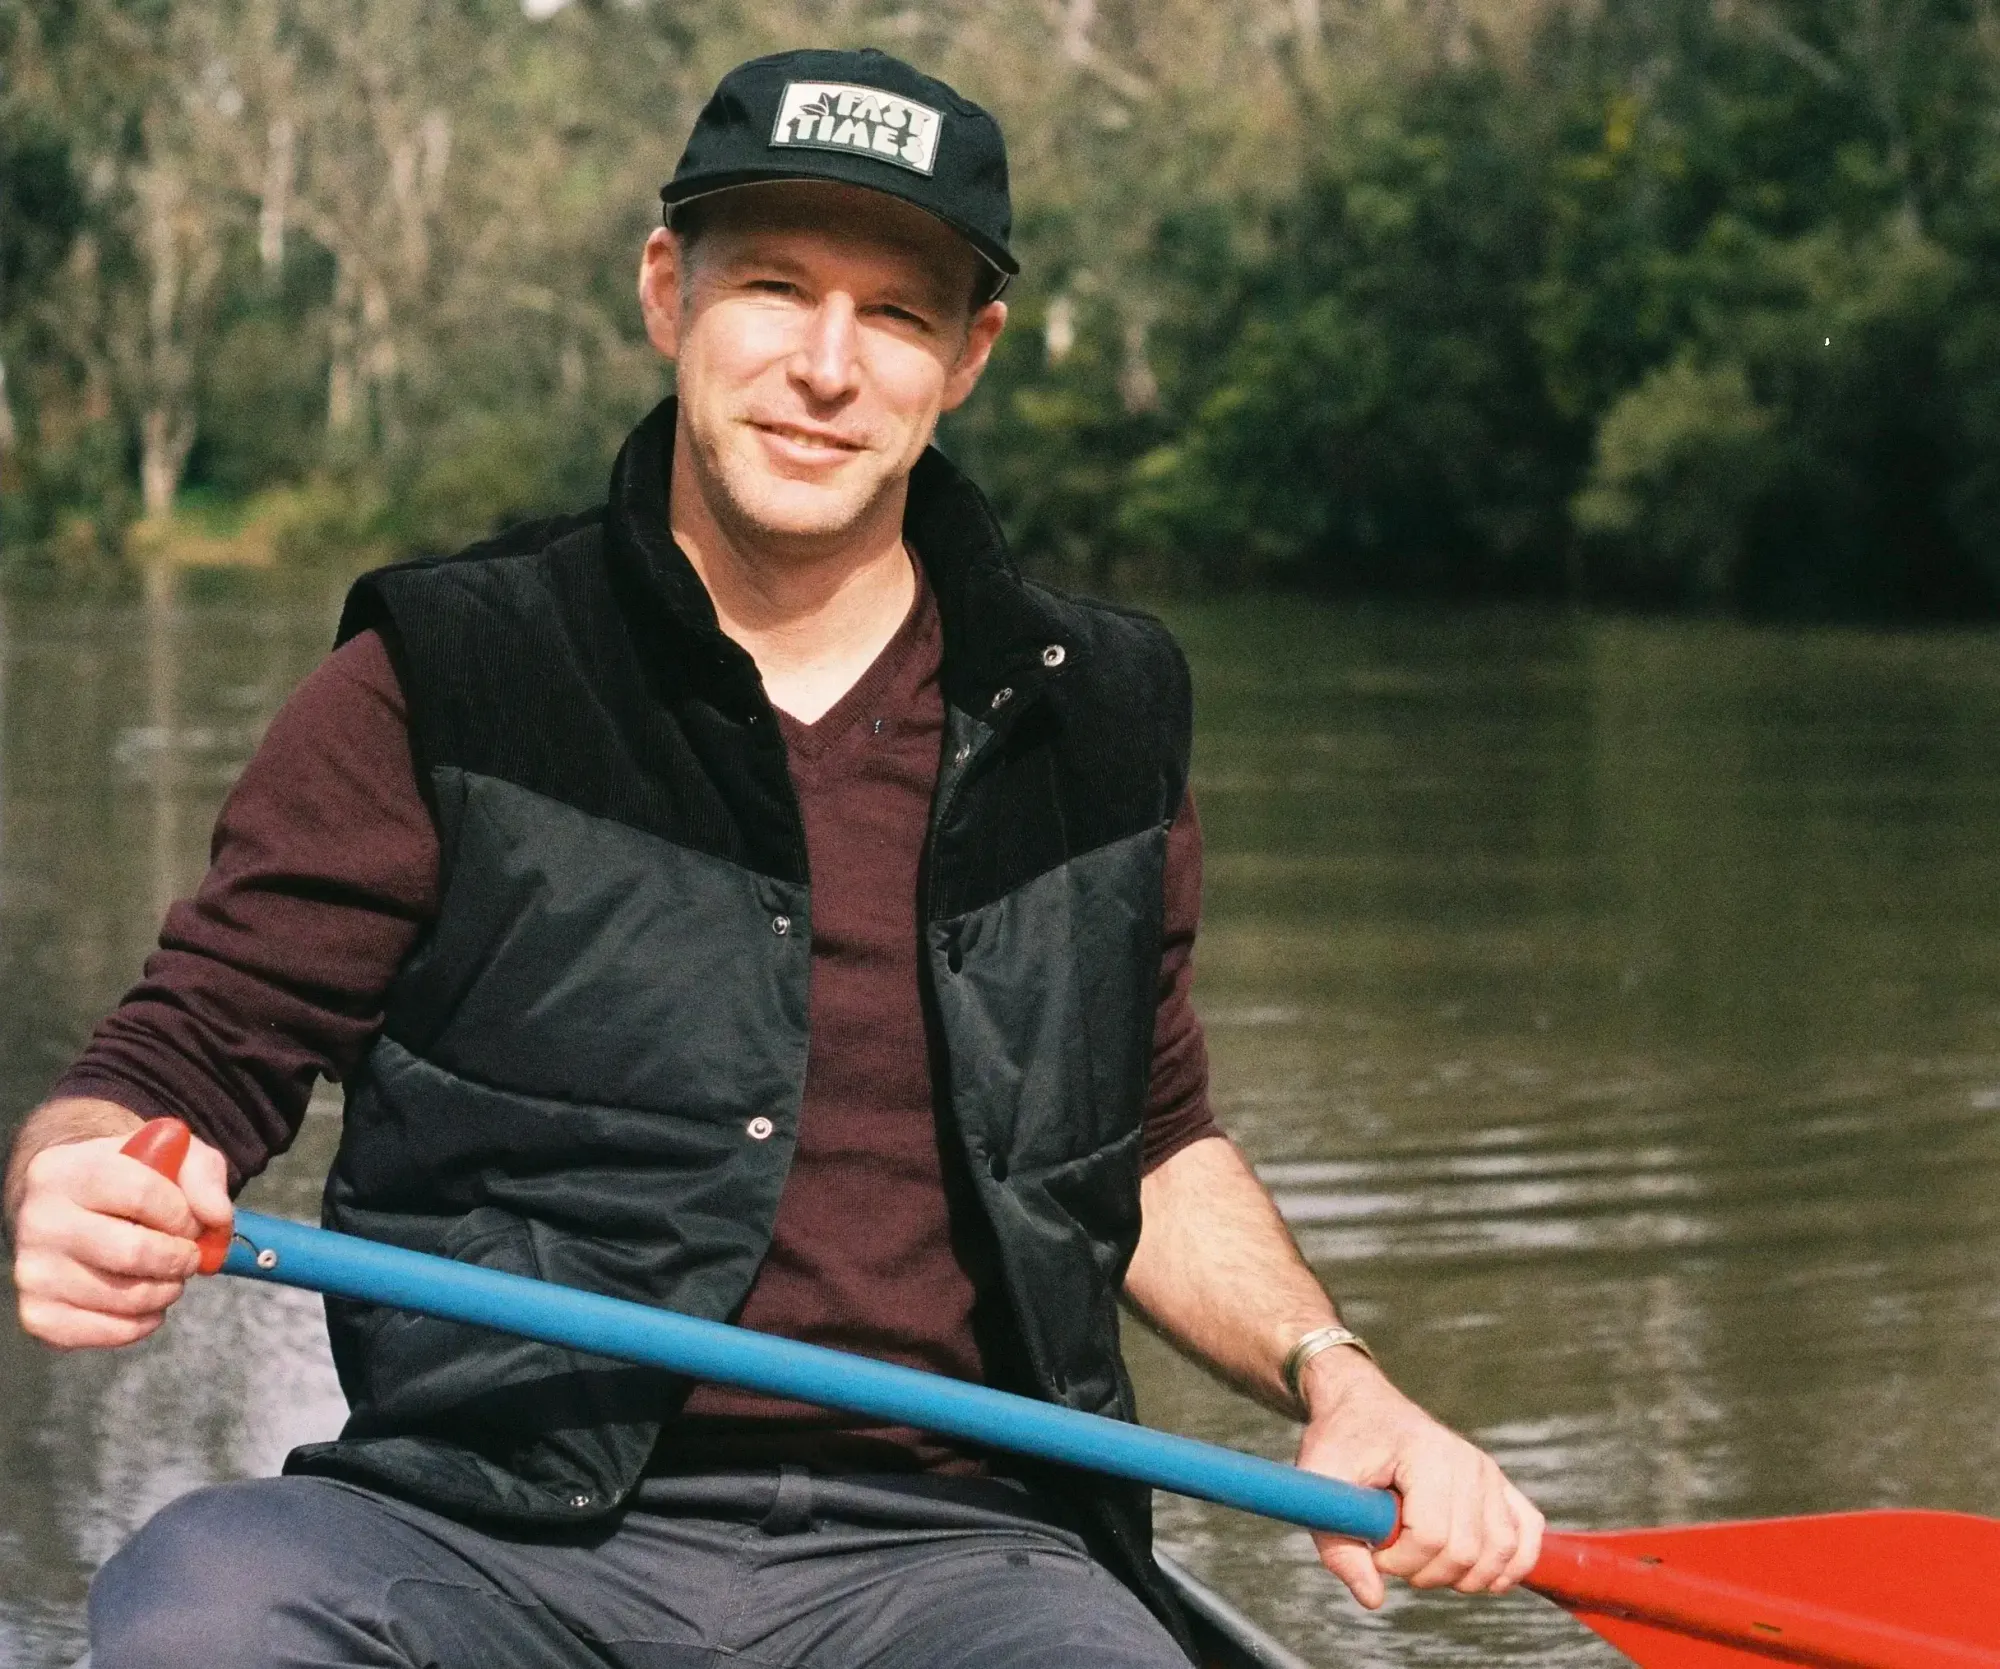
{"x":838,"y":116}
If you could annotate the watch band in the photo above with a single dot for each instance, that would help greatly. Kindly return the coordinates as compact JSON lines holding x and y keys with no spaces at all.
{"x":1309,"y":1346}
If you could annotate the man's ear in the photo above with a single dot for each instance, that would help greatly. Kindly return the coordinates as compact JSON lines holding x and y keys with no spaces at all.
{"x":980,"y":336}
{"x":660,"y":291}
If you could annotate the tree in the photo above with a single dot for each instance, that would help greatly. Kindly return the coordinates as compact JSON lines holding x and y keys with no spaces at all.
{"x":137,"y":294}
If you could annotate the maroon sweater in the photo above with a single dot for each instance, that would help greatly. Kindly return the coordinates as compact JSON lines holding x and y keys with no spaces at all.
{"x":324,"y":870}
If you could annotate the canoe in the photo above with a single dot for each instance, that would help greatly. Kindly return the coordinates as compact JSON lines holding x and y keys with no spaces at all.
{"x":1225,"y":1637}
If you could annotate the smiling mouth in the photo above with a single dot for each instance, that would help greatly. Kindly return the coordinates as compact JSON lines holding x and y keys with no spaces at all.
{"x":811,"y":440}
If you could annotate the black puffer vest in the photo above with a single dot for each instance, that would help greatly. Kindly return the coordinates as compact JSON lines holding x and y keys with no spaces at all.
{"x":591,"y":1066}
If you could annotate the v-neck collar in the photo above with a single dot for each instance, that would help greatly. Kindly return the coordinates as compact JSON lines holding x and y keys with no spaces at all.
{"x":997,"y":632}
{"x":864,"y":699}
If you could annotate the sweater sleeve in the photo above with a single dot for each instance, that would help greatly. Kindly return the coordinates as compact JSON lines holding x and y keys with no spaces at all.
{"x":322,"y":871}
{"x":1177,"y":1109}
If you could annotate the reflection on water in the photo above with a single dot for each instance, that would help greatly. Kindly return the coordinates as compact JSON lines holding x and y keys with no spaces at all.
{"x":120,"y":731}
{"x":1614,"y":1007}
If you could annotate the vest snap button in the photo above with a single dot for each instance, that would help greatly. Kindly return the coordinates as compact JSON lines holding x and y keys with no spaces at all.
{"x":1002,"y":697}
{"x":781,"y":925}
{"x":760,"y":1128}
{"x":996,"y":1166}
{"x":1054,"y":655}
{"x":579,"y":1500}
{"x":963,"y":754}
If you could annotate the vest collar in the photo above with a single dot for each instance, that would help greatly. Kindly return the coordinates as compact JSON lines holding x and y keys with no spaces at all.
{"x":1000,"y":635}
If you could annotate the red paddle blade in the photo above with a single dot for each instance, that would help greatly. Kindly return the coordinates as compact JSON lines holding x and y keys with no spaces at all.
{"x":161,"y":1144}
{"x":1870,"y":1590}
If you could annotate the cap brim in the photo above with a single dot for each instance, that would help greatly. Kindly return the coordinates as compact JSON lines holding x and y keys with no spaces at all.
{"x":676,"y":192}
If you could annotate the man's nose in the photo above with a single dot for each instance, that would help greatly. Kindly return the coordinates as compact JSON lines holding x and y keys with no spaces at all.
{"x":824,"y":361}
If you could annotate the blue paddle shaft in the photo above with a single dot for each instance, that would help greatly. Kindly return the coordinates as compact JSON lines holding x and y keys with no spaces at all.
{"x":271,"y":1249}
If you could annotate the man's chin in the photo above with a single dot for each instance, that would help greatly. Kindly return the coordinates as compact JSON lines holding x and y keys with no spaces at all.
{"x":795,"y":510}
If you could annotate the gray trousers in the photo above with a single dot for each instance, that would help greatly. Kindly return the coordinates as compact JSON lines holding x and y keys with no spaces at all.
{"x":752,"y":1570}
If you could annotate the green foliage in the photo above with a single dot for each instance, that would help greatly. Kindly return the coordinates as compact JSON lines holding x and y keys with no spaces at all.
{"x":1377,"y":417}
{"x":1795,"y":456}
{"x":1757,"y":273}
{"x":1680,"y":459}
{"x":1673,"y":303}
{"x":1051,"y":438}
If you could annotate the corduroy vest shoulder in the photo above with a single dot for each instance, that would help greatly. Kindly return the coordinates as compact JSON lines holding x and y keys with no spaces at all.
{"x":592,"y":1064}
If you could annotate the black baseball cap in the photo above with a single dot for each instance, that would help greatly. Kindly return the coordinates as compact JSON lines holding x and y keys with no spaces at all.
{"x":861,"y":118}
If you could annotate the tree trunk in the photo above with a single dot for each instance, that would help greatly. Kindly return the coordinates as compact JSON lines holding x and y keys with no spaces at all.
{"x":275,"y":205}
{"x":379,"y":361}
{"x":340,"y":377}
{"x":175,"y":238}
{"x":165,"y":440}
{"x":1138,"y":386}
{"x":1306,"y":25}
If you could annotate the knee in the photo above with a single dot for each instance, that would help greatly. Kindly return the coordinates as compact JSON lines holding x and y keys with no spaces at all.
{"x":195,"y":1587}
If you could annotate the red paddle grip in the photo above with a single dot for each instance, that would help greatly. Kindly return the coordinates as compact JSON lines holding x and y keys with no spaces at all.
{"x":161,"y":1144}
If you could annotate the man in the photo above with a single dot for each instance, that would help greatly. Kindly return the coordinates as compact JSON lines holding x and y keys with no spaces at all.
{"x":751,"y":898}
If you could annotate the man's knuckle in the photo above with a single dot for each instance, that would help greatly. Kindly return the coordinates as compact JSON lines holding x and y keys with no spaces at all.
{"x":164,"y":1264}
{"x":131,"y":1298}
{"x":46,"y":1321}
{"x":50,"y":1162}
{"x":123,"y":1254}
{"x":153,"y":1200}
{"x":50,"y":1278}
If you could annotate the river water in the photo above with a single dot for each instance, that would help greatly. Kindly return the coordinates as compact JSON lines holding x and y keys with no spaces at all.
{"x":1614,"y":1007}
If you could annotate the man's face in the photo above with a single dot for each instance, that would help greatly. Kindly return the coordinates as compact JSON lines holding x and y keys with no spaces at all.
{"x":820,"y":330}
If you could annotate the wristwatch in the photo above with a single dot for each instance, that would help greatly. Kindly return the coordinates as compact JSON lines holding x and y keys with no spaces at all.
{"x":1309,"y":1346}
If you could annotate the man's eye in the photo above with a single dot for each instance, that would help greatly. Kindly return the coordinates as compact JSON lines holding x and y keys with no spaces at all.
{"x":773,"y":286}
{"x":903,"y":316}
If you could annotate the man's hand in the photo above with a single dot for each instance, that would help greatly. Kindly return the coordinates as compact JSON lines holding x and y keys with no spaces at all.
{"x":102,"y":1244}
{"x":1216,"y":1271}
{"x":1464,"y":1525}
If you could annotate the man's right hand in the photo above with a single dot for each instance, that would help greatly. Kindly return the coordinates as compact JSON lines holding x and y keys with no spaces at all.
{"x":102,"y":1243}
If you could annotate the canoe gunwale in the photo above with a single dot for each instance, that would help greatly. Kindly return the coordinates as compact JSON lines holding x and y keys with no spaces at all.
{"x":1226,"y":1637}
